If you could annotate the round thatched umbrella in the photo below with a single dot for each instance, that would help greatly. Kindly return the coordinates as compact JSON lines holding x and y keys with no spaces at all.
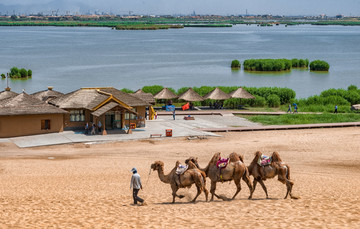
{"x":217,"y":94}
{"x":165,"y":93}
{"x":191,"y":96}
{"x":241,"y":93}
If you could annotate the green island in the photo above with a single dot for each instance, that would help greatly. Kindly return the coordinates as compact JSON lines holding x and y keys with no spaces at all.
{"x":235,"y":64}
{"x":17,"y":73}
{"x":319,"y":65}
{"x":271,"y":65}
{"x":317,"y":108}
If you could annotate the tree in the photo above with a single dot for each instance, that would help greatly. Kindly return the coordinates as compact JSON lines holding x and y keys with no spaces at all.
{"x":14,"y":72}
{"x":3,"y":76}
{"x":23,"y":72}
{"x":319,"y":65}
{"x":29,"y":73}
{"x":235,"y":64}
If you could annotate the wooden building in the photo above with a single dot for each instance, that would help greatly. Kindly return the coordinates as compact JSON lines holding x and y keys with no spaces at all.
{"x":113,"y":108}
{"x":23,"y":114}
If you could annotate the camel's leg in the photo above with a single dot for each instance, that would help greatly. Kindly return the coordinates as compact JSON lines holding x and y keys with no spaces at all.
{"x":197,"y":194}
{"x":174,"y":190}
{"x":282,"y":178}
{"x":238,"y":187}
{"x":247,"y":180}
{"x":212,"y":190}
{"x":264,"y":187}
{"x":254,"y":186}
{"x":206,"y":193}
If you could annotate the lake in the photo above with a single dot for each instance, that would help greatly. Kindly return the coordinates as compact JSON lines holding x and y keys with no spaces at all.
{"x":69,"y":58}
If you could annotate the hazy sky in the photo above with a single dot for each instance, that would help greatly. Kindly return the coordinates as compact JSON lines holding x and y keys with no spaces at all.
{"x":221,"y":7}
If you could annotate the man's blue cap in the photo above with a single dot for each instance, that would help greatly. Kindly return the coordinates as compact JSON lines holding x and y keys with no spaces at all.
{"x":134,"y":170}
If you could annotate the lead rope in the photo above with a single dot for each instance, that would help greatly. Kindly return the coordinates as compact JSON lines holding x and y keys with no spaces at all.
{"x":148,"y":178}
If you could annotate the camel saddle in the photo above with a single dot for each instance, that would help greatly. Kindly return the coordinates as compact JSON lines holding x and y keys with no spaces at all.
{"x":264,"y":160}
{"x":222,"y":163}
{"x":181,"y":169}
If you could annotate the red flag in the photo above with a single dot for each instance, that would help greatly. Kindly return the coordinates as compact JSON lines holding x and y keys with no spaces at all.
{"x":185,"y":107}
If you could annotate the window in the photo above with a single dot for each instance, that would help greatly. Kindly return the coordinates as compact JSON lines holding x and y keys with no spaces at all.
{"x":77,"y":116}
{"x":132,"y":116}
{"x":45,"y":124}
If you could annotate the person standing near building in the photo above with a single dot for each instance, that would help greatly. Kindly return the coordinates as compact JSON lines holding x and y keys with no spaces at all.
{"x":87,"y":128}
{"x":174,"y":114}
{"x":93,"y":127}
{"x":135,"y":184}
{"x":99,"y":126}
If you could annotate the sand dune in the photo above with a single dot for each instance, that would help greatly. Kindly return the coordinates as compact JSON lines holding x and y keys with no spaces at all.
{"x":74,"y":186}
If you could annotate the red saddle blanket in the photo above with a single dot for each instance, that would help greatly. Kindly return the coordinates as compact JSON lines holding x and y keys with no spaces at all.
{"x":264,"y":160}
{"x":222,"y":163}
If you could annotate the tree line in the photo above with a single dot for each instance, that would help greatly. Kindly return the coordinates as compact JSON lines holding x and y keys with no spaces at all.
{"x":18,"y":73}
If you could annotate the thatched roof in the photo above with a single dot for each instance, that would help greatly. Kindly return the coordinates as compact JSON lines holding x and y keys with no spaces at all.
{"x":355,"y":107}
{"x":217,"y":94}
{"x":148,"y":97}
{"x":46,"y":95}
{"x":89,"y":98}
{"x":241,"y":93}
{"x":129,"y":99}
{"x":165,"y":93}
{"x":24,"y":104}
{"x":80,"y":99}
{"x":7,"y":94}
{"x":191,"y":96}
{"x":108,"y":107}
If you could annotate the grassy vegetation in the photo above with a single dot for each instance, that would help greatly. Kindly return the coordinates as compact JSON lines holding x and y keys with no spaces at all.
{"x":147,"y":27}
{"x":207,"y":25}
{"x":293,"y":119}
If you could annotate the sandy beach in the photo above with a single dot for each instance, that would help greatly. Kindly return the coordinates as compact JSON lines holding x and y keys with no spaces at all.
{"x":88,"y":185}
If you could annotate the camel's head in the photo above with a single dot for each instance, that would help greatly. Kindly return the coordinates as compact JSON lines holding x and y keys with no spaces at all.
{"x":236,"y":157}
{"x":193,"y":160}
{"x":157,"y":165}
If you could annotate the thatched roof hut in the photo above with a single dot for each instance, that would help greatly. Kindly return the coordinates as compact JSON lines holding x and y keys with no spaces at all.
{"x":355,"y":107}
{"x":191,"y":96}
{"x":7,"y":94}
{"x":25,"y":104}
{"x":148,"y":97}
{"x":241,"y":93}
{"x":47,"y":95}
{"x":165,"y":93}
{"x":217,"y":94}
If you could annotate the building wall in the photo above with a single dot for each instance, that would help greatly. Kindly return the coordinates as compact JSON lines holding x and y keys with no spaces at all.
{"x":22,"y":125}
{"x":70,"y":125}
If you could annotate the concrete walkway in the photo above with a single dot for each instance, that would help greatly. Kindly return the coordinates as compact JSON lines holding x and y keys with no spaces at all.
{"x":179,"y":127}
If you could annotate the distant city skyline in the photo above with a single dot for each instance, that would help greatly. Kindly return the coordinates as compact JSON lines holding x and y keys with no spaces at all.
{"x":171,"y":7}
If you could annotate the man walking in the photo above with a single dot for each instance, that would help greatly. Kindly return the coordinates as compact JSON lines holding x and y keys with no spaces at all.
{"x":289,"y":110}
{"x":136,"y":185}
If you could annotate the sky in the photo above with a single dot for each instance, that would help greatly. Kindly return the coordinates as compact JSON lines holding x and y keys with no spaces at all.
{"x":218,"y":7}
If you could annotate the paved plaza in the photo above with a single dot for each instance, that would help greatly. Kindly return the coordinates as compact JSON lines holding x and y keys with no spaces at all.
{"x":179,"y":127}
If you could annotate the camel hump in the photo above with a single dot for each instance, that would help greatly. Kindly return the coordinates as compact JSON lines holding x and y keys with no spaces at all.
{"x":276,"y":157}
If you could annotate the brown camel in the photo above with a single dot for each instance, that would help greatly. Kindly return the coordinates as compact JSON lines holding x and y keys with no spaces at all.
{"x":235,"y":170}
{"x":277,"y":167}
{"x":190,"y":176}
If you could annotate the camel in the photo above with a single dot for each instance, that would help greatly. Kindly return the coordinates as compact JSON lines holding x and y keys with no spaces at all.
{"x":277,"y":167}
{"x":235,"y":170}
{"x":190,"y":176}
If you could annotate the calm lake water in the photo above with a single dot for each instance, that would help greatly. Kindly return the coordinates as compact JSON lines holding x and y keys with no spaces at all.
{"x":70,"y":58}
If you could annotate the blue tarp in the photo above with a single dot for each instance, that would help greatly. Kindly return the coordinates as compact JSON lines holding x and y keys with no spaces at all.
{"x":170,"y":108}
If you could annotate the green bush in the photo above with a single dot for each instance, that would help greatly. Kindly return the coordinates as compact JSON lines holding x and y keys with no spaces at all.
{"x":152,"y":89}
{"x":127,"y":90}
{"x":273,"y":100}
{"x":14,"y":72}
{"x":267,"y":65}
{"x":319,"y":65}
{"x":235,"y":64}
{"x":352,"y":87}
{"x":29,"y":73}
{"x":23,"y":72}
{"x":257,"y":102}
{"x":3,"y":76}
{"x":286,"y":95}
